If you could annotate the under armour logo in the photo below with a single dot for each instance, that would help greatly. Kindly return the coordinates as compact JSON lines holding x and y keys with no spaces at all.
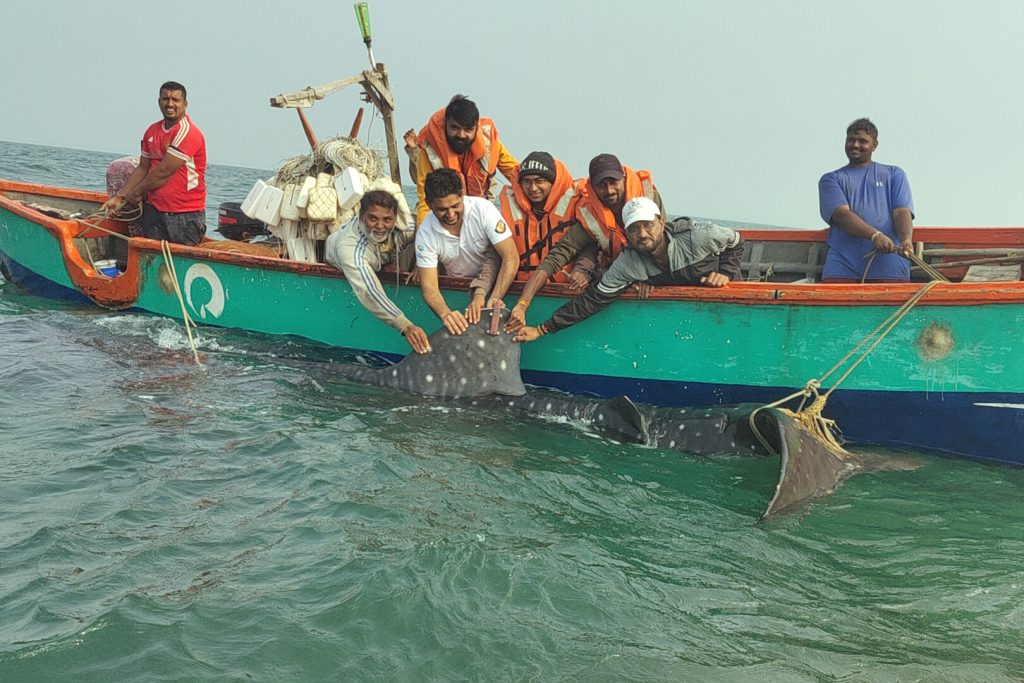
{"x":879,"y":183}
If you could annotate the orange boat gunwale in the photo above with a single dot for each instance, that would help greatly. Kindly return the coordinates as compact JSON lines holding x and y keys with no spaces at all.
{"x":120,"y":292}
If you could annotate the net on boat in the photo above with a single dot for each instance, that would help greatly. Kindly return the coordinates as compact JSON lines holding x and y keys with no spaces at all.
{"x":331,"y":156}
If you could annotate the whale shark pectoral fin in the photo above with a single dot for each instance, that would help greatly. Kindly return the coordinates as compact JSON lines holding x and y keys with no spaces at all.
{"x":809,"y":467}
{"x":620,"y":419}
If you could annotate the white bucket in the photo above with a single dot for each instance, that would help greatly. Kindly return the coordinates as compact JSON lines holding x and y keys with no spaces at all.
{"x":107,"y":267}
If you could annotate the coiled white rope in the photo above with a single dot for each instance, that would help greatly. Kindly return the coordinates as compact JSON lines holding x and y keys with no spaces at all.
{"x":331,"y":156}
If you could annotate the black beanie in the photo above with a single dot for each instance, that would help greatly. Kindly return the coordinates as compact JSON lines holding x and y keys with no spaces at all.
{"x":538,"y":163}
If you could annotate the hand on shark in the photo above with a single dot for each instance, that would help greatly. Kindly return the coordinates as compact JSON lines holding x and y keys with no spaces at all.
{"x":516,"y":318}
{"x":455,"y":322}
{"x":476,"y":308}
{"x":476,"y":305}
{"x":526,"y":333}
{"x":417,"y":338}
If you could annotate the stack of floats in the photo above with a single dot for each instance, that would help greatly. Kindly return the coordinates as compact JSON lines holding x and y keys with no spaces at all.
{"x":313,"y":196}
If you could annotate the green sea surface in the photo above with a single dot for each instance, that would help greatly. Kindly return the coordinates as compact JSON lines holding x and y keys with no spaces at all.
{"x":248,"y":520}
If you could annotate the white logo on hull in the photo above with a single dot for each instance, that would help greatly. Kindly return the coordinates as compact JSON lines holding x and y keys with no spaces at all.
{"x":215,"y":306}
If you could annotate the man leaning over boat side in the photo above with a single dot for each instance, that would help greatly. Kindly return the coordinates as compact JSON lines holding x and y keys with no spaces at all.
{"x":457,"y":138}
{"x":868,"y":206}
{"x":682,"y":252}
{"x":170,"y":179}
{"x":598,"y":223}
{"x":462,"y":234}
{"x":361,"y":247}
{"x":540,"y":207}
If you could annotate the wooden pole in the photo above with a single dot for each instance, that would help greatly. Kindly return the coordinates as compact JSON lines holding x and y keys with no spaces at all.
{"x":389,"y":129}
{"x":356,"y":124}
{"x":307,"y":128}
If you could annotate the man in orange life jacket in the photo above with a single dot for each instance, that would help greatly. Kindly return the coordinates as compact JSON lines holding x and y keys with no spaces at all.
{"x":540,"y":208}
{"x":599,"y":223}
{"x":457,"y":138}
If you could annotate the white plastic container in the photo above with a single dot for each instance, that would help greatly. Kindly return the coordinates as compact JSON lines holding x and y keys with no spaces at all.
{"x":290,"y":204}
{"x":253,"y":198}
{"x":268,"y":205}
{"x":350,"y":187}
{"x":302,"y":200}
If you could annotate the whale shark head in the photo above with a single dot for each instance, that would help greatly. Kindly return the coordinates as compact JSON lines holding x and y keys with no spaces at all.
{"x":475,"y":363}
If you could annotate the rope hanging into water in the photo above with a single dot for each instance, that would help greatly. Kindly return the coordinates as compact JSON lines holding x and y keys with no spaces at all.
{"x":165,"y":248}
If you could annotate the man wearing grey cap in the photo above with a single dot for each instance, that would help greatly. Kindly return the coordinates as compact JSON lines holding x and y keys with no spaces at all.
{"x":682,"y":252}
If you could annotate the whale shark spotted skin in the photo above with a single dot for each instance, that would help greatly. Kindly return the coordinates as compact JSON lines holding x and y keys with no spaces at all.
{"x":474,"y":363}
{"x":483,"y":366}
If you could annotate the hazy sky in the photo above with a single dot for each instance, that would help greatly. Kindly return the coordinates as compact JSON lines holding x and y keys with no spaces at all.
{"x":736,"y":107}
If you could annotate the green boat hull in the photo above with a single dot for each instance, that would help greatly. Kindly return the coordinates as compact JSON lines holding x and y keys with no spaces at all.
{"x":948,"y":377}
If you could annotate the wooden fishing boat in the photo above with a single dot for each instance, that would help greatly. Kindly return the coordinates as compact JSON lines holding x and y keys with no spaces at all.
{"x":947,"y":377}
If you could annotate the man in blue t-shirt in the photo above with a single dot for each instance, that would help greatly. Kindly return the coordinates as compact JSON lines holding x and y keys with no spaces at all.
{"x":867,"y":206}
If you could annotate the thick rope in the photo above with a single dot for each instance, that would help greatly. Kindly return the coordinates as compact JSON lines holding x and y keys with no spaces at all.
{"x":810,"y":417}
{"x":165,"y":248}
{"x":100,"y":215}
{"x":930,"y":270}
{"x":889,"y":323}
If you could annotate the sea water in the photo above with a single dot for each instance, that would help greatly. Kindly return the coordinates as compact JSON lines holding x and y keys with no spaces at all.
{"x":250,"y":521}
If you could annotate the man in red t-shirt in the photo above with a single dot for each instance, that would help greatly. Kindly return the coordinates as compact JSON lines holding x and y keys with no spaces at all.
{"x":171,"y":176}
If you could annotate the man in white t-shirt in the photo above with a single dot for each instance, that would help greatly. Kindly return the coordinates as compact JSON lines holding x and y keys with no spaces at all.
{"x":462,"y":233}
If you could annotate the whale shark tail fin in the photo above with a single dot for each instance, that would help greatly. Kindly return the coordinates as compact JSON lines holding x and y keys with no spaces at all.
{"x":810,"y":466}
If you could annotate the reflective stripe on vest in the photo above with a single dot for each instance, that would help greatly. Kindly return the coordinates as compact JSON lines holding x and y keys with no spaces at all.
{"x":508,"y":194}
{"x":594,"y":228}
{"x":648,"y":188}
{"x":563,"y":203}
{"x":485,"y":160}
{"x":435,"y":161}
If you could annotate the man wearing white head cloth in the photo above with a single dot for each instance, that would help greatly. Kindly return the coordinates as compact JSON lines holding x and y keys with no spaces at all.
{"x":680,"y":252}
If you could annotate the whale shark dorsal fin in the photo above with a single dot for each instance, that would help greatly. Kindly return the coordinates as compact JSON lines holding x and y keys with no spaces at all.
{"x":620,"y":419}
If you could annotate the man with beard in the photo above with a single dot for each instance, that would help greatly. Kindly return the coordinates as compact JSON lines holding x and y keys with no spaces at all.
{"x":171,"y":176}
{"x":462,"y":233}
{"x":868,"y":207}
{"x":362,"y":247}
{"x":683,"y":252}
{"x":457,"y":138}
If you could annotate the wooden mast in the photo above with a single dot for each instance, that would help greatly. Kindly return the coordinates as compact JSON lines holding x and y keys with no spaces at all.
{"x":376,"y":90}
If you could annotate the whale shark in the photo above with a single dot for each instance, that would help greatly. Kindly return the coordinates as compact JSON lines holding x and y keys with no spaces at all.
{"x":482,"y":366}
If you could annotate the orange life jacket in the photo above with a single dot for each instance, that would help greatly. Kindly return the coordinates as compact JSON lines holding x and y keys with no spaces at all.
{"x":601,"y":222}
{"x":535,"y":236}
{"x":477,"y":166}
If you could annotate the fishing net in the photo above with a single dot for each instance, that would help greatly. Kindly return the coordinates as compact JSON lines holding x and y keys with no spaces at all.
{"x":331,"y":156}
